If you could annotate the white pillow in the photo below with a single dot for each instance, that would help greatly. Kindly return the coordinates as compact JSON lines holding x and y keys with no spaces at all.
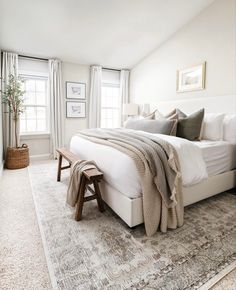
{"x":229,"y":124}
{"x":213,"y":127}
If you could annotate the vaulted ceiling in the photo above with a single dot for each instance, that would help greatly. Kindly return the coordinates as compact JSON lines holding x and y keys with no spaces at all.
{"x":113,"y":33}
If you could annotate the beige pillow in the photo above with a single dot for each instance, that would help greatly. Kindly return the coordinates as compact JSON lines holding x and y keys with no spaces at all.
{"x":150,"y":116}
{"x":175,"y":116}
{"x":172,"y":113}
{"x":171,"y":116}
{"x":153,"y":115}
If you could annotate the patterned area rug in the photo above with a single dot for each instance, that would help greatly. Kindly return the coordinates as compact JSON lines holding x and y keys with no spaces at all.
{"x":101,"y":252}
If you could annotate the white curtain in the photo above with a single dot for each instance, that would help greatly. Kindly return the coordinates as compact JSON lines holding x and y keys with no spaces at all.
{"x":95,"y":96}
{"x":9,"y":66}
{"x":57,"y":116}
{"x":124,"y":90}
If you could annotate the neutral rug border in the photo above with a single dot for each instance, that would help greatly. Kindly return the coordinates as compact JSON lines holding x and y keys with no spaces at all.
{"x":44,"y":242}
{"x":209,"y":284}
{"x":214,"y":280}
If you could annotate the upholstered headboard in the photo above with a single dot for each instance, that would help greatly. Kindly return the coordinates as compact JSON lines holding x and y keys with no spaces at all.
{"x":221,"y":104}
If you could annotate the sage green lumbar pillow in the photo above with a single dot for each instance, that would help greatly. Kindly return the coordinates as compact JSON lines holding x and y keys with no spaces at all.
{"x":161,"y":126}
{"x":189,"y":127}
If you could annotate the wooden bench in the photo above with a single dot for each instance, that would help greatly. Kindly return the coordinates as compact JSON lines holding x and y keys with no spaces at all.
{"x":90,"y":176}
{"x":69,"y":156}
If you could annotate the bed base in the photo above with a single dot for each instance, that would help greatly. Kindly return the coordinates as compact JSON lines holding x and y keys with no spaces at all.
{"x":131,"y":212}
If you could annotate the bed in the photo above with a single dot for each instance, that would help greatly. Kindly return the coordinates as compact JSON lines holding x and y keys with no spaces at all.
{"x":214,"y":163}
{"x":121,"y":188}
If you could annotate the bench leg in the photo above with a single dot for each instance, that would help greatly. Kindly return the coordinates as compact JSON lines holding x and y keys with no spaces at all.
{"x":99,"y":197}
{"x":59,"y":168}
{"x":80,"y":202}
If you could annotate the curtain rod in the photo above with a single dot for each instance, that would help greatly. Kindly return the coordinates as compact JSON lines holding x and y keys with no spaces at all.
{"x":46,"y":59}
{"x":111,"y":69}
{"x":33,"y":57}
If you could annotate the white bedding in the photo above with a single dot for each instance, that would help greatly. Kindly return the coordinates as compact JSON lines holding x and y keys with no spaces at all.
{"x":120,"y":171}
{"x":219,"y":156}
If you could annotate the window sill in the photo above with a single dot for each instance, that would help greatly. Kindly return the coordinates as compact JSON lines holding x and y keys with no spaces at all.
{"x":27,"y":136}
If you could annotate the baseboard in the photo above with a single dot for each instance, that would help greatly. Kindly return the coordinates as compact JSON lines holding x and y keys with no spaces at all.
{"x":40,"y":157}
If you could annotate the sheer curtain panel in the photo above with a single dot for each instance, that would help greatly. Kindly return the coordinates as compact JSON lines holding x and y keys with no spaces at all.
{"x":57,"y":116}
{"x":95,"y":96}
{"x":9,"y":66}
{"x":124,"y":90}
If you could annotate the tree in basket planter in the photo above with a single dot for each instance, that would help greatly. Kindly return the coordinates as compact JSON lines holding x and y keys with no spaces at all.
{"x":16,"y":157}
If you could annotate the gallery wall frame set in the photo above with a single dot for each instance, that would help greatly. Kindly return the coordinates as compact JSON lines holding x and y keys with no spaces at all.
{"x":75,"y":107}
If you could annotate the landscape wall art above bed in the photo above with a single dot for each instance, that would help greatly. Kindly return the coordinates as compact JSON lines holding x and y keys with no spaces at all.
{"x":191,"y":79}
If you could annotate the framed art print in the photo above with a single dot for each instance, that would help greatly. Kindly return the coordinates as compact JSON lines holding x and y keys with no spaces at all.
{"x":75,"y":90}
{"x":191,"y":79}
{"x":75,"y":109}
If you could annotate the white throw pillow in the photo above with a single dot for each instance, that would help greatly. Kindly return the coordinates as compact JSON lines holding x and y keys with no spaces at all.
{"x":213,"y":127}
{"x":229,"y":131}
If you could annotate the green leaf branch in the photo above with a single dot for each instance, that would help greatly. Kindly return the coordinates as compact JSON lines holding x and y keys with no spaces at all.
{"x":12,"y":96}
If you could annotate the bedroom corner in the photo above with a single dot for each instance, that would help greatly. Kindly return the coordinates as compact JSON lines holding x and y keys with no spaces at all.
{"x":120,"y":117}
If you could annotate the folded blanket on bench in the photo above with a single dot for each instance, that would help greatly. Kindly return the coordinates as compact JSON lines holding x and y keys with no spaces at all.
{"x":76,"y":172}
{"x":158,"y":166}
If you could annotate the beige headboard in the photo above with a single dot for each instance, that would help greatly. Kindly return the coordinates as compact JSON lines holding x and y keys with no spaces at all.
{"x":221,"y":104}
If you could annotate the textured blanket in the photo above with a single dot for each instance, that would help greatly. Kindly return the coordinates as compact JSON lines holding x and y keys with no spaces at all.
{"x":158,"y":166}
{"x":75,"y":178}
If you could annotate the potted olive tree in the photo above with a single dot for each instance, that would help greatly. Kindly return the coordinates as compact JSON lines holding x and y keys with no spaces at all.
{"x":17,"y":156}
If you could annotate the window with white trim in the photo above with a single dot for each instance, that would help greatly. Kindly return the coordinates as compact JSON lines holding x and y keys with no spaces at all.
{"x":110,"y":99}
{"x":35,"y":118}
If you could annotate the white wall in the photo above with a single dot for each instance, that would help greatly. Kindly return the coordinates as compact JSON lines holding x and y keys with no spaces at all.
{"x":39,"y":146}
{"x":210,"y":37}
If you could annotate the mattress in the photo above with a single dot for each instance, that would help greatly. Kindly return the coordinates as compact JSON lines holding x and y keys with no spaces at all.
{"x":120,"y":170}
{"x":219,"y":156}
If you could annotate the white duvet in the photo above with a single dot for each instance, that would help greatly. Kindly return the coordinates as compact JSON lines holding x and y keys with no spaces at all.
{"x":120,"y":171}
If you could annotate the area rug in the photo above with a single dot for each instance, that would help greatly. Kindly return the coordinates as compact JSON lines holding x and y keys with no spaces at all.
{"x":101,"y":252}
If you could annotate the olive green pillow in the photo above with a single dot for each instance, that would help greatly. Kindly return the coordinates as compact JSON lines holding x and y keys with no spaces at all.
{"x":189,"y":127}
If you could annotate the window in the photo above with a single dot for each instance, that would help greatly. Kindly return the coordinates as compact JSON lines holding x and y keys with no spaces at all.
{"x":110,"y":99}
{"x":35,"y":118}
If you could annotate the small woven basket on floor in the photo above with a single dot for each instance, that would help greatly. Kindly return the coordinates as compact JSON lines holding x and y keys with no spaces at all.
{"x":17,"y":157}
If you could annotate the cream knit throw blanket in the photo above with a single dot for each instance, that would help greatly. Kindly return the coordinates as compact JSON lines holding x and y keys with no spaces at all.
{"x":158,"y":166}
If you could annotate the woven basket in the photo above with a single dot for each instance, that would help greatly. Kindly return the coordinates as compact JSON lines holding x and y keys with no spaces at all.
{"x":17,"y":157}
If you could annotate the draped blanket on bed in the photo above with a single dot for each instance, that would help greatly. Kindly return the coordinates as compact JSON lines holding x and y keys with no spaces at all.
{"x":158,"y":166}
